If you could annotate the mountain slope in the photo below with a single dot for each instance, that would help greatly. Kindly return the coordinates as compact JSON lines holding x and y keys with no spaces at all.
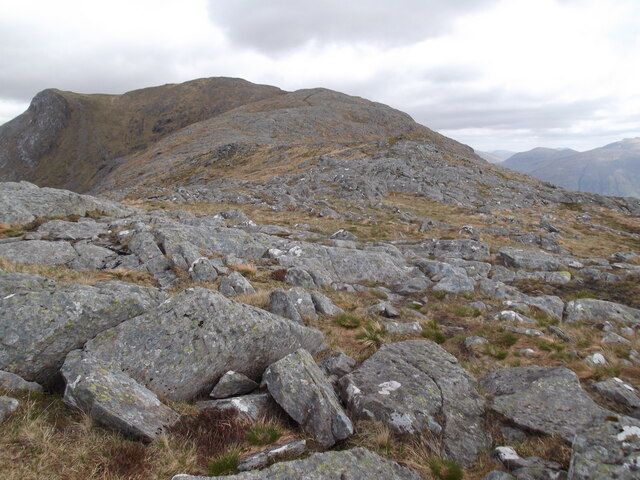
{"x":70,"y":140}
{"x":610,"y":170}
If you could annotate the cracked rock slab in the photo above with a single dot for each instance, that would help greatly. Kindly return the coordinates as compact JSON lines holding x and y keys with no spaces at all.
{"x":114,"y":399}
{"x":300,"y":387}
{"x":409,"y":385}
{"x":354,"y":464}
{"x":38,"y":329}
{"x":546,"y":400}
{"x":181,"y":348}
{"x":607,"y":450}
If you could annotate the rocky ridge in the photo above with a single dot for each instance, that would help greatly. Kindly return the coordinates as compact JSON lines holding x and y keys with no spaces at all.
{"x":322,"y":265}
{"x":124,"y":350}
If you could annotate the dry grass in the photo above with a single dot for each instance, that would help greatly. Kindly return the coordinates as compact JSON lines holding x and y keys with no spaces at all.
{"x":63,"y":275}
{"x":258,"y":299}
{"x":45,"y":439}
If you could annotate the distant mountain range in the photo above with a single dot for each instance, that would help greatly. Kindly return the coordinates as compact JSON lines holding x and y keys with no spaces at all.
{"x":610,"y":170}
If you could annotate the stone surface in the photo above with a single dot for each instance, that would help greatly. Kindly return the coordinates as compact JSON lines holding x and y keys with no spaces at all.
{"x":607,"y":450}
{"x":235,"y":284}
{"x":248,"y":407}
{"x":281,"y":303}
{"x":402,"y":328}
{"x":8,"y":405}
{"x":298,"y":385}
{"x":23,"y":202}
{"x":547,"y":400}
{"x":589,"y":310}
{"x":354,"y":464}
{"x":203,"y":270}
{"x":181,"y":348}
{"x":114,"y":399}
{"x":12,"y":382}
{"x":39,"y":251}
{"x":619,"y":391}
{"x":287,"y":450}
{"x":409,"y":385}
{"x":37,"y":329}
{"x":337,"y":364}
{"x":232,"y":384}
{"x":528,"y":258}
{"x":324,"y":305}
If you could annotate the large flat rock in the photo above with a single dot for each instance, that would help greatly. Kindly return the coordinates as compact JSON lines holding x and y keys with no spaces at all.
{"x":355,"y":464}
{"x":38,"y":328}
{"x":410,"y":385}
{"x":181,"y":348}
{"x":528,"y":258}
{"x":590,"y":310}
{"x":23,"y":202}
{"x":546,"y":400}
{"x":39,"y":251}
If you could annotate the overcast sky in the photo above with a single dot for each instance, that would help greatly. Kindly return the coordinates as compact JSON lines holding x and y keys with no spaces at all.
{"x":495,"y":74}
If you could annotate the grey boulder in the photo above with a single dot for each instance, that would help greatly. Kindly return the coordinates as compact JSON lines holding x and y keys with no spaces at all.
{"x":298,"y":385}
{"x":232,"y":384}
{"x":39,"y":251}
{"x":12,"y":382}
{"x":235,"y":284}
{"x":324,"y":305}
{"x":547,"y":400}
{"x":181,"y":348}
{"x":354,"y":464}
{"x":607,"y":450}
{"x":114,"y":399}
{"x":23,"y":202}
{"x":589,"y":310}
{"x":248,"y":407}
{"x":528,"y":258}
{"x":619,"y":391}
{"x":287,"y":450}
{"x":8,"y":405}
{"x":410,"y":385}
{"x":39,"y":328}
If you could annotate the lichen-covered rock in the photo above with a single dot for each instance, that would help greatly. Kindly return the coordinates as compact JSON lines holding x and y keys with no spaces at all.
{"x":547,"y":400}
{"x":528,"y":258}
{"x":354,"y":464}
{"x":23,"y":202}
{"x":235,"y":284}
{"x":287,"y":450}
{"x":590,"y":310}
{"x":298,"y":385}
{"x":280,"y":303}
{"x":402,"y":328}
{"x":324,"y":305}
{"x":232,"y":384}
{"x":181,"y":348}
{"x":8,"y":405}
{"x":248,"y":407}
{"x":607,"y":450}
{"x":409,"y":384}
{"x":37,"y":329}
{"x":455,"y":284}
{"x":203,"y":270}
{"x":82,"y":230}
{"x":12,"y":382}
{"x":15,"y":283}
{"x":114,"y":399}
{"x":461,"y":248}
{"x":337,"y":365}
{"x":39,"y":251}
{"x":619,"y":391}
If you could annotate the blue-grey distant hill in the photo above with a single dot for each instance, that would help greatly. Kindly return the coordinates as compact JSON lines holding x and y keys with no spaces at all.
{"x":610,"y":170}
